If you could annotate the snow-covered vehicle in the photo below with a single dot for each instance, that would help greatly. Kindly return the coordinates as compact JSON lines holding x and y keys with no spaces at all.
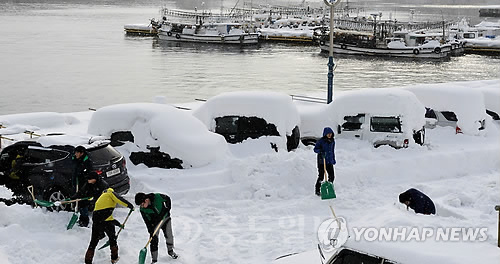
{"x":381,"y":116}
{"x":239,"y":116}
{"x":453,"y":105}
{"x":161,"y":133}
{"x":46,"y":163}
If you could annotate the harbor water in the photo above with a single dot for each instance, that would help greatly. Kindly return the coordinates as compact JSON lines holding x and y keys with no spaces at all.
{"x":67,"y":57}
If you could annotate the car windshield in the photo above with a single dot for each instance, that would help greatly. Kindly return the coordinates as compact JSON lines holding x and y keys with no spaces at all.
{"x":104,"y":155}
{"x":385,"y":124}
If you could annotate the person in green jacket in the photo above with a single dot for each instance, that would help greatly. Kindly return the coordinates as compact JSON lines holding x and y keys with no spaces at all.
{"x":155,"y":207}
{"x":103,"y":222}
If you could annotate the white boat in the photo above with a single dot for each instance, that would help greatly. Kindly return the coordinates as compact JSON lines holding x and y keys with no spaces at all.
{"x":483,"y":38}
{"x":218,"y":33}
{"x":362,"y":43}
{"x":150,"y":29}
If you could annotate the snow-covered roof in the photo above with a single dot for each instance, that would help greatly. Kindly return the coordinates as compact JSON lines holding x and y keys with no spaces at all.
{"x":379,"y":102}
{"x":176,"y":132}
{"x":467,"y":104}
{"x":275,"y":108}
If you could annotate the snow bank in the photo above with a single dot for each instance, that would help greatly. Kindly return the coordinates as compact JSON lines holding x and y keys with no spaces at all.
{"x":313,"y":119}
{"x":34,"y":121}
{"x":467,"y":104}
{"x":275,"y":108}
{"x":176,"y":132}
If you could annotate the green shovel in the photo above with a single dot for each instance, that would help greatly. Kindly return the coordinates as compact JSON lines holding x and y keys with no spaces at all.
{"x":144,"y":251}
{"x":74,"y":218}
{"x":327,"y":191}
{"x":59,"y":203}
{"x":121,"y":228}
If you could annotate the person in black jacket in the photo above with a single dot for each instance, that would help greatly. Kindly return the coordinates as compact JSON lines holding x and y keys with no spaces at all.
{"x":417,"y":201}
{"x":94,"y":187}
{"x":155,"y":207}
{"x":83,"y":166}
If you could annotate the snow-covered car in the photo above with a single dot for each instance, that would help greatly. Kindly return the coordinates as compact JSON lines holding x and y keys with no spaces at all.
{"x":453,"y":105}
{"x":381,"y":116}
{"x":239,"y":116}
{"x":161,"y":133}
{"x":46,"y":163}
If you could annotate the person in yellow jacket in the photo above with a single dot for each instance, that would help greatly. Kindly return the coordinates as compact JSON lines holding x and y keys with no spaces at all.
{"x":103,"y":222}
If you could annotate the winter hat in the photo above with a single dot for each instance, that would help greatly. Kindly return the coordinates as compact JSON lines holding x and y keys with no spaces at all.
{"x":80,"y":149}
{"x":92,"y":175}
{"x":404,"y":197}
{"x":140,"y":198}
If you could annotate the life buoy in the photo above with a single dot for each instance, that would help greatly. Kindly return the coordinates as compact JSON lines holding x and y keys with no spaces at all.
{"x":169,"y":33}
{"x":416,"y":51}
{"x":343,"y":46}
{"x":322,"y":43}
{"x":177,"y":36}
{"x":437,"y":50}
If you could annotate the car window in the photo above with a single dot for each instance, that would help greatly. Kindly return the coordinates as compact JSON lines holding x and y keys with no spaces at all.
{"x":37,"y":155}
{"x":429,"y":113}
{"x":450,"y":116}
{"x":104,"y":155}
{"x":347,"y":256}
{"x":226,"y":125}
{"x":385,"y":124}
{"x":493,"y":115}
{"x":353,"y":123}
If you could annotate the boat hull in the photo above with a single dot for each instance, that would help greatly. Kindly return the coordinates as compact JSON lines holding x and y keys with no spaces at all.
{"x":243,"y":39}
{"x":423,"y":53}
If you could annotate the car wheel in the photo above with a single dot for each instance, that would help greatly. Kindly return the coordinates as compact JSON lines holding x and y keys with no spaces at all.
{"x":56,"y":195}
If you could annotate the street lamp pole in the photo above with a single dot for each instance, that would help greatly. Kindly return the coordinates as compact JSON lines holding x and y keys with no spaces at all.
{"x":331,"y":64}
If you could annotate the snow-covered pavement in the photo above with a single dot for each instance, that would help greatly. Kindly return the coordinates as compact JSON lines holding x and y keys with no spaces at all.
{"x":254,"y":206}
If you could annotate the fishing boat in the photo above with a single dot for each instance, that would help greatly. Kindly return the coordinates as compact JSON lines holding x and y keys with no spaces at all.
{"x":150,"y":29}
{"x":218,"y":33}
{"x":364,"y":43}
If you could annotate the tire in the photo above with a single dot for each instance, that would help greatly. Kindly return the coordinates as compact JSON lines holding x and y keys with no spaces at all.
{"x":322,"y":43}
{"x":343,"y":46}
{"x":416,"y":51}
{"x":177,"y":36}
{"x":169,"y":34}
{"x":437,"y":50}
{"x":55,"y":194}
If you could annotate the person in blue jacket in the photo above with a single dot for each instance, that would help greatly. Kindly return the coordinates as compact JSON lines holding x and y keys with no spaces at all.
{"x":417,"y":201}
{"x":325,"y":148}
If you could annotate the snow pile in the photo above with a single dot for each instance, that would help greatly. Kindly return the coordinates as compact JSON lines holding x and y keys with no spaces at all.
{"x":176,"y":132}
{"x":313,"y":118}
{"x":466,"y":103}
{"x":490,"y":90}
{"x":287,"y":32}
{"x":431,"y":44}
{"x":35,"y":121}
{"x":396,"y":45}
{"x":275,"y":108}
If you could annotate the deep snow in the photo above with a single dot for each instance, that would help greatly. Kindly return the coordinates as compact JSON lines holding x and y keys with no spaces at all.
{"x":254,"y":205}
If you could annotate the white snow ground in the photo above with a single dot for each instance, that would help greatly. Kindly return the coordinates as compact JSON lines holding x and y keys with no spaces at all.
{"x":252,"y":208}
